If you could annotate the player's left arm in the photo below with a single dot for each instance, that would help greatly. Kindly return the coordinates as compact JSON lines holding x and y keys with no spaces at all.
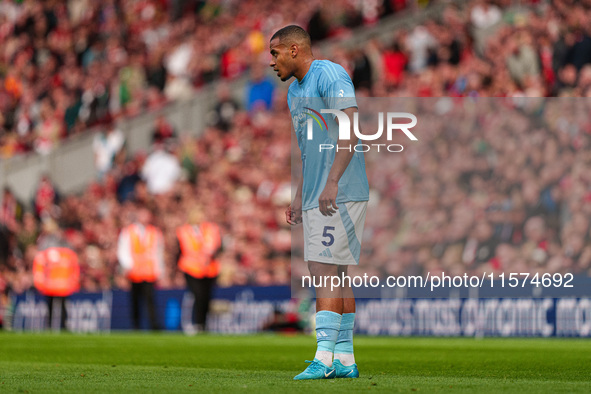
{"x":327,"y":201}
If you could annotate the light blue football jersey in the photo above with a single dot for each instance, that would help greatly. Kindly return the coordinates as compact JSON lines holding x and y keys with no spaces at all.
{"x":326,"y":86}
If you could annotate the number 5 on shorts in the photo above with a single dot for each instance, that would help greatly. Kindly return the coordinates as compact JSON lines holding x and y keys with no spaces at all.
{"x":328,"y":235}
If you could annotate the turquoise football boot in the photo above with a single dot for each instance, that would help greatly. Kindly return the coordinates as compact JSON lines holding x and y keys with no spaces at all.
{"x":342,"y":371}
{"x":316,"y":370}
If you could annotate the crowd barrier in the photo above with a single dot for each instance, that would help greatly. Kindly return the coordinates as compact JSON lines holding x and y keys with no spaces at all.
{"x":246,"y":310}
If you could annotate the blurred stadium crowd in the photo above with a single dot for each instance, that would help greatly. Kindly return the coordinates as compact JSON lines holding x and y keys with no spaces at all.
{"x":514,"y":197}
{"x":67,"y":66}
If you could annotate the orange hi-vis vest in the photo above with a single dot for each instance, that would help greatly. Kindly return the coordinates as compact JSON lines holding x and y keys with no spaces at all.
{"x":56,"y":272}
{"x":143,"y":253}
{"x":198,"y":244}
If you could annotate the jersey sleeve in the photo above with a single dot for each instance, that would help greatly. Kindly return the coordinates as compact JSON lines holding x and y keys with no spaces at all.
{"x":336,"y":88}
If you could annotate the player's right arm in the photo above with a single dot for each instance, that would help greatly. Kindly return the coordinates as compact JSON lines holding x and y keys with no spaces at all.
{"x":293,"y":213}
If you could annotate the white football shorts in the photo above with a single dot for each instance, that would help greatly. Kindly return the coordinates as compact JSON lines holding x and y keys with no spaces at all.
{"x":334,"y":239}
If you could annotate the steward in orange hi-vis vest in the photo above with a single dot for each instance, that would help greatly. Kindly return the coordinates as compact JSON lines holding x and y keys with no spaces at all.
{"x":199,"y":245}
{"x":140,"y":251}
{"x":56,"y":272}
{"x":143,"y":248}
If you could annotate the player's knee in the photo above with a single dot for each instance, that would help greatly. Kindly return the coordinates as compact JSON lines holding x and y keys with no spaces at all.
{"x":321,"y":269}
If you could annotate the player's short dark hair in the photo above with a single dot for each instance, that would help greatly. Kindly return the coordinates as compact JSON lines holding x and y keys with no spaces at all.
{"x":292,"y":33}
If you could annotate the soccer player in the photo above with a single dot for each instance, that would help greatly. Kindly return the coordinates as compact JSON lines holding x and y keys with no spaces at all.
{"x":332,"y":195}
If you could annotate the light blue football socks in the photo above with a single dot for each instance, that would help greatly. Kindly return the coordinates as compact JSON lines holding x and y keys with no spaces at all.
{"x":327,"y":331}
{"x":344,"y":347}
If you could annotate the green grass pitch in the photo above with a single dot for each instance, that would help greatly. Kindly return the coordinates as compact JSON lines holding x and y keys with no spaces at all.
{"x":158,"y":363}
